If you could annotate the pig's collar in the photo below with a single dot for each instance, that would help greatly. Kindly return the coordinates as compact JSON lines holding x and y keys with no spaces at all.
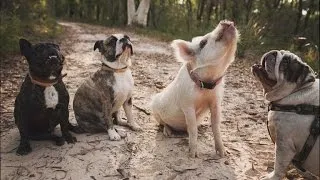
{"x":45,"y":83}
{"x":108,"y":68}
{"x":202,"y":84}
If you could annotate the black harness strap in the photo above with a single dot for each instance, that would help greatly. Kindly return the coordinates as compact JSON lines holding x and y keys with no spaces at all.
{"x":304,"y":109}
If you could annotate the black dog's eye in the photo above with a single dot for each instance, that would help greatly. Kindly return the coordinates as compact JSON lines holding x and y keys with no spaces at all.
{"x":203,"y":43}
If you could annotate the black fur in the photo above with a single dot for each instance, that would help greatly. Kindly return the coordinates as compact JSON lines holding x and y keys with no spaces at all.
{"x":33,"y":118}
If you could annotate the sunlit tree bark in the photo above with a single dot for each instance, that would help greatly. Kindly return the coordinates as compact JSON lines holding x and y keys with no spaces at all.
{"x":139,"y":16}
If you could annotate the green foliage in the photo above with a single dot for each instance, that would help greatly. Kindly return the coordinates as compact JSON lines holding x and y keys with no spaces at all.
{"x":32,"y":20}
{"x":10,"y":31}
{"x":263,"y":24}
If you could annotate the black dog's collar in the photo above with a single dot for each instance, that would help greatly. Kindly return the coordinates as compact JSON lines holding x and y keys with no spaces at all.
{"x":304,"y":109}
{"x":45,"y":83}
{"x":202,"y":84}
{"x":108,"y":68}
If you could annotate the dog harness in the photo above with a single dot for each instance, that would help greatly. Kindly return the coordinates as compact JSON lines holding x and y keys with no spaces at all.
{"x":202,"y":84}
{"x":44,"y":83}
{"x":303,"y":109}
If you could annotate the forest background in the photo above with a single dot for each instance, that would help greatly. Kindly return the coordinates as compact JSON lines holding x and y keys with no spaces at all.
{"x":264,"y":24}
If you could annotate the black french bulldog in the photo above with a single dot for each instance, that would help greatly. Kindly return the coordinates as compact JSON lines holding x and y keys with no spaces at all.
{"x":43,"y":100}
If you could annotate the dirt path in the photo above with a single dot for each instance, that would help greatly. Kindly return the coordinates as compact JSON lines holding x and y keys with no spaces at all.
{"x":147,"y":154}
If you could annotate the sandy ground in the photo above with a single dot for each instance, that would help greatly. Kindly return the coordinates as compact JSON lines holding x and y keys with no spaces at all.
{"x":147,"y":154}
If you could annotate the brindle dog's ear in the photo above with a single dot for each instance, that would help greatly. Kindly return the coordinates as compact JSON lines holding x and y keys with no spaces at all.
{"x":99,"y":45}
{"x":25,"y":48}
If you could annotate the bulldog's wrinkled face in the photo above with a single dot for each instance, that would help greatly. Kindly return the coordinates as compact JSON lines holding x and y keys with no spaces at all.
{"x":282,"y":69}
{"x":116,"y":50}
{"x":44,"y":59}
{"x":210,"y":48}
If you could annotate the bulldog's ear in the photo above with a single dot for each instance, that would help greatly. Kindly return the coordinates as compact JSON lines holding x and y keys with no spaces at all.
{"x":299,"y":72}
{"x":99,"y":45}
{"x":25,"y":48}
{"x":183,"y":50}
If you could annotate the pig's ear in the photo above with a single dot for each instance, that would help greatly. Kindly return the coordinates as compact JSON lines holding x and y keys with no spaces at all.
{"x":183,"y":50}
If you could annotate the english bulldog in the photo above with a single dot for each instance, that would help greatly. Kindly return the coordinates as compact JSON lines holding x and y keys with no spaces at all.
{"x":99,"y":98}
{"x":43,"y":100}
{"x":198,"y":86}
{"x":290,"y":83}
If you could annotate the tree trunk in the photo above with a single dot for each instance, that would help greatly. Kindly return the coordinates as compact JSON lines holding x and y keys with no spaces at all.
{"x":210,"y":5}
{"x":131,"y":11}
{"x":98,"y":13}
{"x":248,"y":5}
{"x":140,"y":16}
{"x":309,"y":12}
{"x":189,"y":19}
{"x":299,"y":15}
{"x":200,"y":9}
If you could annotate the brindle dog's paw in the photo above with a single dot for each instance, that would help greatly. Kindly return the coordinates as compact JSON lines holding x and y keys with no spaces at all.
{"x":24,"y":149}
{"x":59,"y":140}
{"x":70,"y":139}
{"x":113,"y":135}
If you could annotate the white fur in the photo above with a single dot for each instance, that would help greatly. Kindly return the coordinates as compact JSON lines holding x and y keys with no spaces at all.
{"x":52,"y":77}
{"x":113,"y":135}
{"x":116,"y":64}
{"x":182,"y":103}
{"x":122,"y":88}
{"x":118,"y":44}
{"x":51,"y":97}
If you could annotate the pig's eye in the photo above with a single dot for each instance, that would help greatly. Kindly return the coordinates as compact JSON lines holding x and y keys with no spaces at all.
{"x":203,"y":43}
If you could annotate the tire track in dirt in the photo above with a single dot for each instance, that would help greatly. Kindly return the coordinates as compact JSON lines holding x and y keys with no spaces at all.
{"x":148,"y":154}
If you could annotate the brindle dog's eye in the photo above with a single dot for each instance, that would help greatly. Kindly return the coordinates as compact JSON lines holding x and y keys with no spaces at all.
{"x":203,"y":43}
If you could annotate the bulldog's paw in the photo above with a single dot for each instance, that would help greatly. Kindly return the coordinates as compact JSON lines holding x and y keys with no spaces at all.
{"x":134,"y":126}
{"x":24,"y":149}
{"x":113,"y":135}
{"x":70,"y":139}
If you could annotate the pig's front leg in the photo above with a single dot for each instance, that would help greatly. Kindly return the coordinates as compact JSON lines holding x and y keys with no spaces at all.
{"x":215,"y":110}
{"x":192,"y":128}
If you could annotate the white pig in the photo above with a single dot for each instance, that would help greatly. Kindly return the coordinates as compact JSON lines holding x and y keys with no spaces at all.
{"x":198,"y":87}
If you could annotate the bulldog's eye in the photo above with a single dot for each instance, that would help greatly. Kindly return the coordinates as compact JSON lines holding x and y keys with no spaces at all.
{"x":203,"y":43}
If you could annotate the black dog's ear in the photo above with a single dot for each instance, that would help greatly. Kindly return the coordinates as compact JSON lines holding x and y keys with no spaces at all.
{"x":25,"y":47}
{"x":99,"y":45}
